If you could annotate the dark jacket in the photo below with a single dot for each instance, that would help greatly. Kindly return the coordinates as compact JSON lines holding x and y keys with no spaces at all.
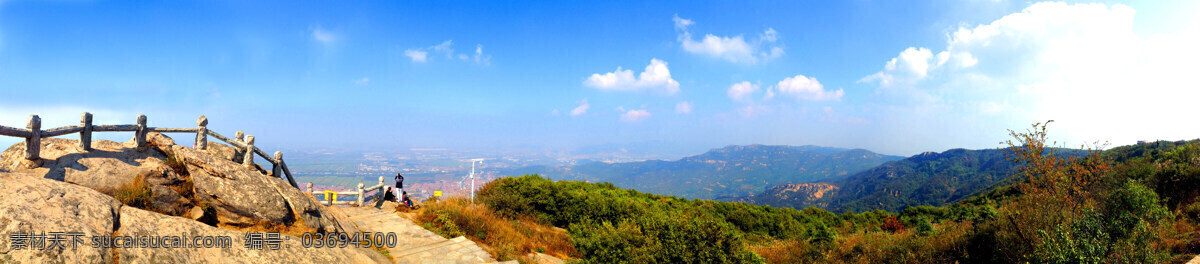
{"x":399,"y":181}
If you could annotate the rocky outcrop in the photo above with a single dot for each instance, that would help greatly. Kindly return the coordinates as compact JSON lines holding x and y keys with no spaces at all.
{"x":36,"y":204}
{"x":797,"y":195}
{"x":200,"y":184}
{"x":33,"y":204}
{"x":290,"y":250}
{"x":108,"y":166}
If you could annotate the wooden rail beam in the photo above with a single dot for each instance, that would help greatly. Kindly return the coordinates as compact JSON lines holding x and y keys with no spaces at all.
{"x":14,"y":132}
{"x":115,"y":128}
{"x":264,"y":155}
{"x":223,"y":138}
{"x":288,"y":173}
{"x":173,"y":130}
{"x":59,"y":131}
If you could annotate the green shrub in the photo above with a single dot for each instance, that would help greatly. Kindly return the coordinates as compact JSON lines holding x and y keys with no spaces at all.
{"x":1083,"y":241}
{"x":820,"y":234}
{"x":446,"y":226}
{"x":613,"y":225}
{"x":924,"y":228}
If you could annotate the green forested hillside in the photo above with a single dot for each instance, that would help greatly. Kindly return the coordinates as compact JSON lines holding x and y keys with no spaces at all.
{"x":613,"y":225}
{"x":734,"y":171}
{"x":1132,"y":204}
{"x":925,"y":179}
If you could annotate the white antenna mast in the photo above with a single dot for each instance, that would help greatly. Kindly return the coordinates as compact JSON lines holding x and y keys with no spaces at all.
{"x":473,"y":177}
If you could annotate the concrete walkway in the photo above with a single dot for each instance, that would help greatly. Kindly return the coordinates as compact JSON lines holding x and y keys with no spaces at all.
{"x":415,"y":244}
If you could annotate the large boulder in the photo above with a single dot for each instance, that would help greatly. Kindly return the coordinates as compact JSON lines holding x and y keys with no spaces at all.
{"x":242,"y":196}
{"x":107,"y":167}
{"x":45,"y":205}
{"x":239,"y":195}
{"x":290,"y":250}
{"x":206,"y":185}
{"x":33,"y":205}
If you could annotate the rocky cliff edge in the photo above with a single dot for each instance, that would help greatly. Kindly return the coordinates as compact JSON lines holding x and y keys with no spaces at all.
{"x":168,"y":189}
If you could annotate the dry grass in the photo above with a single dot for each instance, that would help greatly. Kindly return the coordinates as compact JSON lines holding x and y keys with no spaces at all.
{"x":780,"y":251}
{"x":297,"y":228}
{"x":1183,"y":238}
{"x":503,"y":237}
{"x":135,"y":193}
{"x":904,"y":246}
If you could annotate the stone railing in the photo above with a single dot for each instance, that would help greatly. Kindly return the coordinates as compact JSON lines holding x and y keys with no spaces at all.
{"x":361,"y":193}
{"x":33,"y":135}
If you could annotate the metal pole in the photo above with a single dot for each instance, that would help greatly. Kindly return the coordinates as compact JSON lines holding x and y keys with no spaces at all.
{"x":472,"y":182}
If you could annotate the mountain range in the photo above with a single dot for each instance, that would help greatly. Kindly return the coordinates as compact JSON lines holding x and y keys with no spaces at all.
{"x":725,"y":173}
{"x":836,"y":179}
{"x":925,"y":179}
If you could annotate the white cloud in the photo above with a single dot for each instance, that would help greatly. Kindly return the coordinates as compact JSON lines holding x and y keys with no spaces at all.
{"x":734,"y":49}
{"x":741,"y":91}
{"x":656,"y":77}
{"x":807,"y":88}
{"x":684,"y":107}
{"x":770,"y":35}
{"x":324,"y":36}
{"x":634,"y":116}
{"x":480,"y":58}
{"x":911,"y":65}
{"x":1084,"y":65}
{"x":446,"y":48}
{"x":682,"y":24}
{"x":416,"y":55}
{"x":581,"y":109}
{"x":362,"y":82}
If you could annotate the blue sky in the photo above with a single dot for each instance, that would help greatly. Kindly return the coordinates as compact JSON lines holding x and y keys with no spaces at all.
{"x":890,"y":76}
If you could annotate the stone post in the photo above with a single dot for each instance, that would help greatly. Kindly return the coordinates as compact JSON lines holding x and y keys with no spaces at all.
{"x":202,"y":132}
{"x":277,"y":170}
{"x":361,"y":194}
{"x":309,"y":188}
{"x":85,"y":136}
{"x":33,"y":144}
{"x":382,"y":190}
{"x":238,"y":138}
{"x":140,"y":136}
{"x":248,"y":158}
